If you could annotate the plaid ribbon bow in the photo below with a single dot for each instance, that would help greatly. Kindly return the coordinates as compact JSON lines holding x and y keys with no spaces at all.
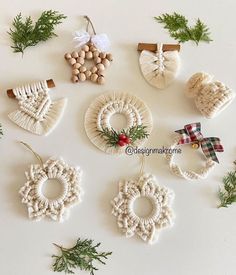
{"x":192,"y":134}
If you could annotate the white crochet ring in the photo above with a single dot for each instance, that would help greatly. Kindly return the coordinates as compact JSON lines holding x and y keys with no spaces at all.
{"x":38,"y":205}
{"x":188,"y":175}
{"x":105,"y":106}
{"x":147,"y":228}
{"x":37,"y":113}
{"x":159,"y":68}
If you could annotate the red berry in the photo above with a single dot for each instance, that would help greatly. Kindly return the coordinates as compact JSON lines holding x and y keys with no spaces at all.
{"x":121,"y":143}
{"x":122,"y":137}
{"x":127,"y":140}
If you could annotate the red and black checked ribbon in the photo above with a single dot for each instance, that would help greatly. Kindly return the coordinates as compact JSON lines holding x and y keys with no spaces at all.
{"x":192,"y":134}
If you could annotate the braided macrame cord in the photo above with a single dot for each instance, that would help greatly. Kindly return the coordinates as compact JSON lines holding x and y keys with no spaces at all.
{"x":37,"y":113}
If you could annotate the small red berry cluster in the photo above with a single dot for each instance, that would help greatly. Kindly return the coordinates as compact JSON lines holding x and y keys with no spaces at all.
{"x":123,"y":140}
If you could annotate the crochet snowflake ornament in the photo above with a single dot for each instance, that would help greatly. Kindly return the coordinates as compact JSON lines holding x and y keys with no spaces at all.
{"x":147,"y":228}
{"x":40,"y":206}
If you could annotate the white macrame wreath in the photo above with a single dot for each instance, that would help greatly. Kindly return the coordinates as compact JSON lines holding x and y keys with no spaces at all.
{"x":159,"y":68}
{"x":37,"y":113}
{"x":38,"y":205}
{"x":104,"y":107}
{"x":147,"y":228}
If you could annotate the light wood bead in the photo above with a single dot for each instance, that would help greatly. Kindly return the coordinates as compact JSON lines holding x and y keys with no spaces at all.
{"x":80,"y":60}
{"x":100,"y":72}
{"x":82,"y":54}
{"x":89,"y":55}
{"x":106,"y":62}
{"x":82,"y":77}
{"x":74,"y":79}
{"x":102,"y":55}
{"x":94,"y":77}
{"x":93,"y":49}
{"x":85,"y":48}
{"x":96,"y":54}
{"x":97,"y":60}
{"x":100,"y":67}
{"x":72,"y":61}
{"x":94,"y":69}
{"x":109,"y":57}
{"x":67,"y":56}
{"x":75,"y":54}
{"x":76,"y":66}
{"x":75,"y":72}
{"x":101,"y":80}
{"x":82,"y":69}
{"x":88,"y":74}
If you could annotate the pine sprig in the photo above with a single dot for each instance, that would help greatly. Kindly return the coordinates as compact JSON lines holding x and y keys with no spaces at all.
{"x":82,"y":256}
{"x":24,"y":33}
{"x":227,"y":194}
{"x":134,"y":133}
{"x":178,"y":28}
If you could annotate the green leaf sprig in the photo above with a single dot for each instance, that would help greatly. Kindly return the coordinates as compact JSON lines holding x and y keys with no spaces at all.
{"x":25,"y":33}
{"x":227,"y":194}
{"x":82,"y":256}
{"x":178,"y":28}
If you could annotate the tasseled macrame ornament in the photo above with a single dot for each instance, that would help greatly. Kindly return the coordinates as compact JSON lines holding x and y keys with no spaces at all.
{"x":39,"y":206}
{"x":37,"y":113}
{"x":92,"y":47}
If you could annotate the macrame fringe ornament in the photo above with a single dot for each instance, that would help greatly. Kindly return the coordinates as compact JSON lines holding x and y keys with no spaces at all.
{"x":104,"y":107}
{"x":37,"y":113}
{"x":39,"y":206}
{"x":159,"y":68}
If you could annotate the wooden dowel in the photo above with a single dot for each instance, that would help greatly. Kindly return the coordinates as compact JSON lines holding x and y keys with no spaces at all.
{"x":153,"y":47}
{"x":50,"y":84}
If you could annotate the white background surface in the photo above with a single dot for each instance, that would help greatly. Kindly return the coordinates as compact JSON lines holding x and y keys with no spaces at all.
{"x":203,"y":239}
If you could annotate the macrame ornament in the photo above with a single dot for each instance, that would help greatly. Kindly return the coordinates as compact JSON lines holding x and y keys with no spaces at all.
{"x":92,"y":47}
{"x":99,"y":113}
{"x":161,"y":216}
{"x":39,"y":206}
{"x":211,"y":97}
{"x":191,"y":134}
{"x":159,"y":68}
{"x":37,"y":113}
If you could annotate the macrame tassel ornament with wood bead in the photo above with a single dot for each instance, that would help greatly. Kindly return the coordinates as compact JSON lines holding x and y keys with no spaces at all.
{"x":92,"y":47}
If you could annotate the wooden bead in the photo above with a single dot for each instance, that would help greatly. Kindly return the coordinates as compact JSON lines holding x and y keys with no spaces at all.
{"x":80,"y":60}
{"x":100,"y":67}
{"x":101,"y":80}
{"x":74,"y":79}
{"x":93,"y":49}
{"x":109,"y":57}
{"x":75,"y":72}
{"x":195,"y":145}
{"x":97,"y":60}
{"x":102,"y":55}
{"x":72,"y":61}
{"x":75,"y":54}
{"x":82,"y":69}
{"x":82,"y":54}
{"x":94,"y":77}
{"x":89,"y":55}
{"x":88,"y":74}
{"x":67,"y":56}
{"x":82,"y":77}
{"x":100,"y":72}
{"x":94,"y":69}
{"x":96,"y":54}
{"x":76,"y":66}
{"x":85,"y":48}
{"x":106,"y":62}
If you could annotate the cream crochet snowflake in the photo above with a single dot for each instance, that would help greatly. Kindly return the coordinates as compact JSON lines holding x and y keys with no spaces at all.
{"x":145,"y":227}
{"x":40,"y":206}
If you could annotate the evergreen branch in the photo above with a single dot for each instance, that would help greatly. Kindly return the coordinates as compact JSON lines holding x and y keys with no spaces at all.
{"x":24,"y":33}
{"x":82,"y":256}
{"x":137,"y":132}
{"x":227,"y":194}
{"x":178,"y":28}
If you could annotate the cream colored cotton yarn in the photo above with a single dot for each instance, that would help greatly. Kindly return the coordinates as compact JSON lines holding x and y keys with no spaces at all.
{"x":211,"y":97}
{"x":159,"y":68}
{"x":147,"y":228}
{"x":40,"y":206}
{"x":105,"y":106}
